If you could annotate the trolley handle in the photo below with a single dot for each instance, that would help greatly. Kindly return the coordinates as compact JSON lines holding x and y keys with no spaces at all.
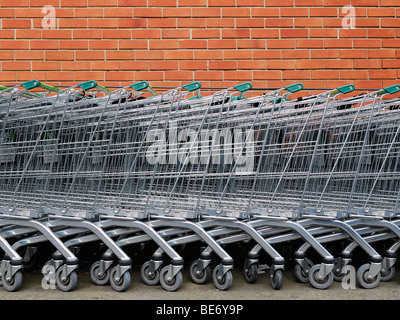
{"x":294,"y":87}
{"x":343,"y":90}
{"x":89,"y":85}
{"x":143,"y":85}
{"x":389,"y":90}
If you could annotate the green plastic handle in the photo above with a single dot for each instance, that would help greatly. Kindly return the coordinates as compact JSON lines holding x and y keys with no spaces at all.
{"x":88,"y":85}
{"x":346,"y":89}
{"x":139,"y":86}
{"x":294,"y":87}
{"x":243,"y":87}
{"x":192,"y":86}
{"x":392,"y":89}
{"x":30,"y":84}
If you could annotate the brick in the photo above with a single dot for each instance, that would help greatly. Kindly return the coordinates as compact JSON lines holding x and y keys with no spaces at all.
{"x":296,"y":54}
{"x":381,"y":12}
{"x":164,"y":65}
{"x":221,"y":3}
{"x":390,"y":63}
{"x":336,"y":3}
{"x":368,"y":84}
{"x":323,"y":33}
{"x":191,"y":23}
{"x":26,"y":55}
{"x":222,"y":65}
{"x":74,"y":44}
{"x":145,"y":34}
{"x":338,"y":43}
{"x":390,"y":23}
{"x":16,"y":66}
{"x":367,"y":43}
{"x":281,"y":64}
{"x":73,"y":3}
{"x":8,"y":76}
{"x":278,"y":3}
{"x":175,"y":12}
{"x":21,"y":3}
{"x":89,"y":12}
{"x":294,"y":33}
{"x":178,"y":54}
{"x":132,"y":23}
{"x":75,"y":65}
{"x":208,"y":54}
{"x":250,"y":3}
{"x":221,"y":44}
{"x":267,"y":75}
{"x":208,"y":75}
{"x":235,"y":33}
{"x":134,"y":65}
{"x":132,"y":3}
{"x":7,"y":12}
{"x":279,"y":23}
{"x":367,"y":64}
{"x":309,"y":3}
{"x":179,"y":75}
{"x":92,"y":75}
{"x":44,"y":44}
{"x":56,"y":34}
{"x":102,"y":3}
{"x":192,"y":3}
{"x":381,"y":33}
{"x":389,"y":3}
{"x":42,"y":3}
{"x":104,"y":65}
{"x":59,"y":55}
{"x":383,"y":74}
{"x":353,"y":54}
{"x":353,"y":33}
{"x":118,"y":13}
{"x":323,"y":12}
{"x":175,"y":34}
{"x":60,"y":76}
{"x":265,"y":33}
{"x":324,"y":74}
{"x":381,"y":53}
{"x":14,"y":44}
{"x":29,"y":13}
{"x":296,"y":74}
{"x":16,"y":23}
{"x":86,"y":34}
{"x":308,"y":22}
{"x":338,"y":64}
{"x":236,"y":12}
{"x":208,"y":13}
{"x":365,"y":3}
{"x":250,"y":23}
{"x":133,"y":44}
{"x":45,"y":65}
{"x":103,"y":23}
{"x":280,"y":44}
{"x":390,"y":43}
{"x":310,"y":64}
{"x":160,"y":23}
{"x":25,"y":34}
{"x":252,"y":65}
{"x":241,"y":75}
{"x":193,"y":65}
{"x":206,"y":34}
{"x":89,"y":55}
{"x":192,"y":44}
{"x":265,"y":12}
{"x":150,"y":55}
{"x":353,"y":74}
{"x":325,"y":54}
{"x":309,"y":43}
{"x":220,"y":23}
{"x":119,"y":55}
{"x":72,"y":23}
{"x":165,"y":3}
{"x":163,"y":44}
{"x":250,"y":44}
{"x":267,"y":54}
{"x":29,"y":75}
{"x":294,"y":12}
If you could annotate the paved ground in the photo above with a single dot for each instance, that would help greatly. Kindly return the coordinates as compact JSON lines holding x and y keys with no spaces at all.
{"x":240,"y":290}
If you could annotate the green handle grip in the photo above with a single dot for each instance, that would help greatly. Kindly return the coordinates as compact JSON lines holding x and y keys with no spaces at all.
{"x":30,"y":84}
{"x":294,"y":87}
{"x":346,"y":89}
{"x":87,"y":85}
{"x":243,"y":87}
{"x":192,"y":86}
{"x":392,"y":89}
{"x":139,"y":86}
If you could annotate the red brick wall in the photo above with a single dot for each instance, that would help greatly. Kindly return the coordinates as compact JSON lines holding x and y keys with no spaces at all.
{"x":217,"y":42}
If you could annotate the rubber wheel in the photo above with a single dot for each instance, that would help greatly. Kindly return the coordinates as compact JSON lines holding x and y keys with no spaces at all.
{"x":67,"y":284}
{"x":201,"y":277}
{"x":320,"y":284}
{"x":388,"y":274}
{"x":13,"y":284}
{"x":170,"y":284}
{"x":364,"y":282}
{"x":301,"y":274}
{"x":99,"y":280}
{"x":226,"y":280}
{"x":150,"y":280}
{"x":123,"y":283}
{"x":277,"y":280}
{"x":251,"y":274}
{"x":338,"y":275}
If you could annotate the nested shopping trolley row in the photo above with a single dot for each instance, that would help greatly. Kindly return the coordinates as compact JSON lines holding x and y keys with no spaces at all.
{"x":132,"y":167}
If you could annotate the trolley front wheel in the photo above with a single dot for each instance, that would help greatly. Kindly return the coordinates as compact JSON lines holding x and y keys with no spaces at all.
{"x":170,"y":284}
{"x":120,"y":283}
{"x":68,"y":283}
{"x":251,"y":273}
{"x":301,"y":274}
{"x":364,"y":280}
{"x":199,"y":277}
{"x":98,"y":278}
{"x":316,"y":281}
{"x":222,"y":281}
{"x":277,"y":279}
{"x":14,"y":283}
{"x":388,"y":274}
{"x":151,"y":279}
